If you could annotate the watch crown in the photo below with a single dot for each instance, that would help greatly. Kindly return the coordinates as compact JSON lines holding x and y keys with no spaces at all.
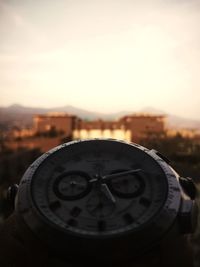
{"x":188,"y":186}
{"x":11,"y":194}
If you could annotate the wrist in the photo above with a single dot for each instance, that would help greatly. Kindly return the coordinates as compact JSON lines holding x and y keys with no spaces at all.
{"x":19,"y":246}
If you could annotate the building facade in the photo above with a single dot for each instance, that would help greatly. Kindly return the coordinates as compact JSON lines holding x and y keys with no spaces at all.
{"x":50,"y":130}
{"x":60,"y":123}
{"x":131,"y":128}
{"x":144,"y":126}
{"x":101,"y":129}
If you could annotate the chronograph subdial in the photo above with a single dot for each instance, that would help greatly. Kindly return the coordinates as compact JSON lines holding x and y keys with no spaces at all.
{"x":128,"y":185}
{"x":99,"y":206}
{"x":72,"y":185}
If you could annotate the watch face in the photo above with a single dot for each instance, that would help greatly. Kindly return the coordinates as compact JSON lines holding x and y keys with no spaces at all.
{"x":99,"y":187}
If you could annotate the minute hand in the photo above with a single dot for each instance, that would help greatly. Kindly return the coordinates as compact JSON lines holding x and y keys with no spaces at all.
{"x":118,"y":174}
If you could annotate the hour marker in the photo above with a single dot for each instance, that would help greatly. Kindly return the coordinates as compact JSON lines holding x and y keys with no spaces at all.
{"x":101,"y":225}
{"x":76,"y":158}
{"x":128,"y":218}
{"x":55,"y":205}
{"x":97,"y":153}
{"x":158,"y":178}
{"x":60,"y":169}
{"x":75,"y":211}
{"x":136,"y":166}
{"x":145,"y":202}
{"x":176,"y":188}
{"x":118,"y":156}
{"x":72,"y":222}
{"x":159,"y":200}
{"x":43,"y":206}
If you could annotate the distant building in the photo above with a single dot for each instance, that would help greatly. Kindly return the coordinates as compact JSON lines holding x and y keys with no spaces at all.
{"x":185,"y":133}
{"x":101,"y":129}
{"x":22,"y":133}
{"x":52,"y":129}
{"x":60,"y":122}
{"x":131,"y":128}
{"x":144,"y":126}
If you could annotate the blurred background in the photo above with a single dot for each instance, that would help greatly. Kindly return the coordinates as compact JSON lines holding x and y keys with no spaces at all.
{"x":76,"y":69}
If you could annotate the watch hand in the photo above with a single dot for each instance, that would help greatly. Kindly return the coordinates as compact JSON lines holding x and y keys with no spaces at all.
{"x":93,"y":180}
{"x":106,"y":191}
{"x":118,"y":174}
{"x":113,"y":175}
{"x":96,"y":178}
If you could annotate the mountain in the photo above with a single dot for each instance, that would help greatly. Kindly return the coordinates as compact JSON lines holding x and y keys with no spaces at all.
{"x":175,"y":121}
{"x":18,"y":115}
{"x":179,"y":122}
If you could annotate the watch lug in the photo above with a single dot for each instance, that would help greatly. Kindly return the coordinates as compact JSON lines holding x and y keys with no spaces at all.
{"x":161,"y":156}
{"x":187,"y":216}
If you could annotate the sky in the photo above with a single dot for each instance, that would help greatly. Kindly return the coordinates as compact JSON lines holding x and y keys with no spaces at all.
{"x":101,"y":55}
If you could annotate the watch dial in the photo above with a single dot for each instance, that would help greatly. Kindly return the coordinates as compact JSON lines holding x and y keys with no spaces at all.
{"x":99,"y":187}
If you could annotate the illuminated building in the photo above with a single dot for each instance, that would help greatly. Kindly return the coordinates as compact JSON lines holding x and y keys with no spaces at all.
{"x":131,"y":128}
{"x":52,"y":129}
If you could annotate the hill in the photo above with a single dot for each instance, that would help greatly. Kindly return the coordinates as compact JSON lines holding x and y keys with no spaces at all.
{"x":16,"y":115}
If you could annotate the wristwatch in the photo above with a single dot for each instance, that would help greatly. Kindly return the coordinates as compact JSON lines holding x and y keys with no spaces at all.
{"x":104,"y":201}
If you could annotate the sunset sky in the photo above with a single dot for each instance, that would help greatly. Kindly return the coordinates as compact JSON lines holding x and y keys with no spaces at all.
{"x":101,"y":55}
